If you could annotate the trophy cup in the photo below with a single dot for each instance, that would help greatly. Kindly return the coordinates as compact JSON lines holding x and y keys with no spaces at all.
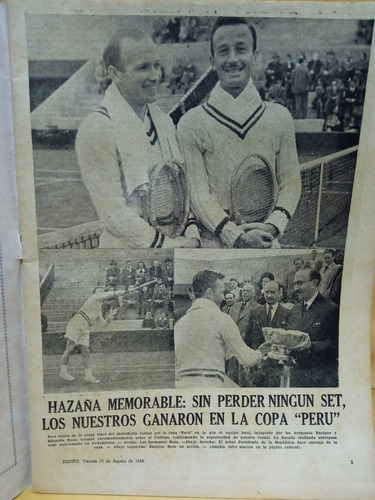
{"x":283,"y":342}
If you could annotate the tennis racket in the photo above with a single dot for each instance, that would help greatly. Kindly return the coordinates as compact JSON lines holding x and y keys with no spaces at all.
{"x":167,"y":205}
{"x":253,"y":190}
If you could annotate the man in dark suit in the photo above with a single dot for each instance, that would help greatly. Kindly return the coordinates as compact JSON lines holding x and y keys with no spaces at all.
{"x":289,"y":280}
{"x":270,"y":314}
{"x":240,"y":311}
{"x":319,"y":317}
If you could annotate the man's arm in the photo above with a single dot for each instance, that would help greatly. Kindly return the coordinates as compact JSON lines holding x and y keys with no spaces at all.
{"x":288,"y":174}
{"x":205,"y":206}
{"x":101,"y":172}
{"x":236,"y":346}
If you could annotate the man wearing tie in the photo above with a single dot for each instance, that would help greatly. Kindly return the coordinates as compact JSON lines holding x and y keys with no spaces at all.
{"x":240,"y":311}
{"x":319,"y":317}
{"x":270,"y":314}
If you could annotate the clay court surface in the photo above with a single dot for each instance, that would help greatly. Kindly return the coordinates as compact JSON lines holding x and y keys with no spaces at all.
{"x":116,"y":372}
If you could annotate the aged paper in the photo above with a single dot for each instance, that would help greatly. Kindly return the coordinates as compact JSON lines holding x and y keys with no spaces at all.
{"x":14,"y":426}
{"x":110,"y":413}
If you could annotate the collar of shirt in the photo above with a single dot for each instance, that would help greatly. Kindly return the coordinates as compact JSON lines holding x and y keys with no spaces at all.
{"x":273,"y":309}
{"x":310,"y":301}
{"x":204,"y":303}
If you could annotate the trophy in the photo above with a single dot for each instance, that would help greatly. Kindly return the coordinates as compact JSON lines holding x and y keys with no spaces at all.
{"x":283,"y":342}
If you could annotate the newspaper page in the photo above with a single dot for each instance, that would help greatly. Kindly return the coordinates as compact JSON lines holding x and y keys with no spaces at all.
{"x":14,"y":426}
{"x":195,"y":197}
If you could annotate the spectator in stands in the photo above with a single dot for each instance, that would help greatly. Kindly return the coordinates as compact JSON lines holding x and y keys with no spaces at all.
{"x":333,"y":121}
{"x":328,"y":272}
{"x":235,"y":288}
{"x":148,"y":320}
{"x":347,"y":69}
{"x":176,"y":75}
{"x":276,"y":93}
{"x":172,"y":30}
{"x":188,"y":77}
{"x":230,"y":299}
{"x":314,"y":66}
{"x":128,"y":275}
{"x":288,"y":66}
{"x":78,"y":330}
{"x":161,"y":300}
{"x":274,"y":70}
{"x":300,"y":82}
{"x":265,"y":278}
{"x":319,"y":100}
{"x":333,"y":97}
{"x":298,"y":264}
{"x":156,"y":271}
{"x":141,"y":273}
{"x":169,"y":272}
{"x":145,"y":297}
{"x":162,"y":321}
{"x":335,"y":293}
{"x":131,"y":304}
{"x":112,"y":274}
{"x":314,"y":262}
{"x":330,"y":69}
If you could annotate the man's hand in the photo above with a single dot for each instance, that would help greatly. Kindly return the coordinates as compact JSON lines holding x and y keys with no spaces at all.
{"x":265,"y":348}
{"x":255,"y":238}
{"x":268,"y":228}
{"x":182,"y":242}
{"x":112,"y":313}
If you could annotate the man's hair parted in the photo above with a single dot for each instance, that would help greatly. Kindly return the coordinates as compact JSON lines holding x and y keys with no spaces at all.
{"x":232,"y":21}
{"x":313,"y":274}
{"x":112,"y":53}
{"x":204,"y":280}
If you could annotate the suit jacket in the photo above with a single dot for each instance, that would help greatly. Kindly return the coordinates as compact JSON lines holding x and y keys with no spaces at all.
{"x":258,"y":319}
{"x":239,"y":312}
{"x":317,"y":366}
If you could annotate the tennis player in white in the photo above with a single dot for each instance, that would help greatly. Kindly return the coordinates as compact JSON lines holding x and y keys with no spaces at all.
{"x":234,"y":123}
{"x":123,"y":140}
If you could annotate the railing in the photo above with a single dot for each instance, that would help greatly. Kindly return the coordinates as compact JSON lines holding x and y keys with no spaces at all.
{"x":322,"y":212}
{"x":46,"y":283}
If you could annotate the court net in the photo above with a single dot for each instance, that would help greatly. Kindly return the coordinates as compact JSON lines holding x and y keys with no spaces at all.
{"x":322,"y":213}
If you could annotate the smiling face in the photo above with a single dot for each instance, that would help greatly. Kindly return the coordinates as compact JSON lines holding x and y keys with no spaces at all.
{"x":138,"y":75}
{"x":233,"y":57}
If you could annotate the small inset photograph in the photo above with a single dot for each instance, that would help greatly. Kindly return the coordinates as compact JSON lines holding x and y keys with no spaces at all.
{"x":256,"y":319}
{"x":107,"y":320}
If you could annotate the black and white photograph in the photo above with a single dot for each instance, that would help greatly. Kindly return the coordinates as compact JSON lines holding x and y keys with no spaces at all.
{"x":186,"y":132}
{"x":107,"y":320}
{"x":194,"y":188}
{"x":257,"y":320}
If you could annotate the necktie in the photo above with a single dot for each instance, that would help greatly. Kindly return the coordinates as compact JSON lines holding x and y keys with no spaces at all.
{"x":269,"y":315}
{"x":304,"y":308}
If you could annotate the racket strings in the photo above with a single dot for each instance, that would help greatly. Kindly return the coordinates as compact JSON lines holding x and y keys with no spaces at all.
{"x":168,"y":201}
{"x":253,"y":193}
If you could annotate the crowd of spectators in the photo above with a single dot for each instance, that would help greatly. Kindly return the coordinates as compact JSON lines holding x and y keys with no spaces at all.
{"x":181,"y":29}
{"x":338,"y":88}
{"x":149,"y":291}
{"x":329,"y":264}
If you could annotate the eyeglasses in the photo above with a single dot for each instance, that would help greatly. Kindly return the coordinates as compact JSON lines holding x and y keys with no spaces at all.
{"x":299,"y":283}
